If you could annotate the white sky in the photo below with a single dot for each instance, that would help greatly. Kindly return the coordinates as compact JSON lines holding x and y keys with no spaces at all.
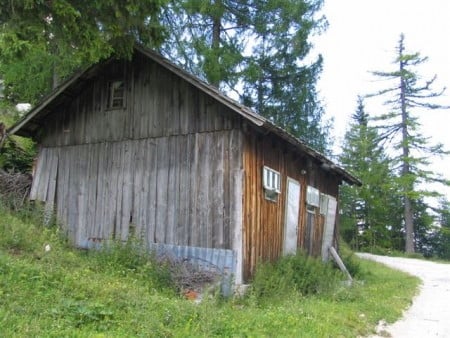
{"x":362,"y":37}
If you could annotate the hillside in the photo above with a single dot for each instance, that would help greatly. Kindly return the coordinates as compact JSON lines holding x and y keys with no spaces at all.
{"x":48,"y":288}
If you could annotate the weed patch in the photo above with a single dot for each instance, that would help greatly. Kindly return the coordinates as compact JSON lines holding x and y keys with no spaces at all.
{"x":294,"y":273}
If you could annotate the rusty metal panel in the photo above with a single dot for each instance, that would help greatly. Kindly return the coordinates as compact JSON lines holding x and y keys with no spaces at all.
{"x":221,"y":260}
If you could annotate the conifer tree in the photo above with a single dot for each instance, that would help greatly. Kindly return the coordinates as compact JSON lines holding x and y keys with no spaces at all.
{"x":441,"y":239}
{"x":256,"y":49}
{"x":42,"y":41}
{"x":406,"y":96}
{"x":368,"y":214}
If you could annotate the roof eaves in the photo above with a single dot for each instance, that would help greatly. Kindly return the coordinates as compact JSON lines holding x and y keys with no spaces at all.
{"x":44,"y":102}
{"x":326,"y":162}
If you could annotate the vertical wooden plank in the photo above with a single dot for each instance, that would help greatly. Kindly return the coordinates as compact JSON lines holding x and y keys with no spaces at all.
{"x":142,"y":107}
{"x":161,"y":189}
{"x":182,"y":231}
{"x":115,"y":186}
{"x":61,"y":188}
{"x":229,"y":164}
{"x":101,"y":175}
{"x":107,"y":205}
{"x":118,"y":166}
{"x":38,"y":173}
{"x":173,"y":188}
{"x":138,"y":207}
{"x":66,"y":171}
{"x":81,"y":181}
{"x":150,"y":96}
{"x":51,"y":192}
{"x":152,"y":185}
{"x":185,"y":107}
{"x":92,"y":178}
{"x":127,"y":187}
{"x":237,"y":203}
{"x":193,"y":198}
{"x":203,"y":206}
{"x":42,"y":187}
{"x":217,"y":188}
{"x":72,"y":195}
{"x":175,"y":106}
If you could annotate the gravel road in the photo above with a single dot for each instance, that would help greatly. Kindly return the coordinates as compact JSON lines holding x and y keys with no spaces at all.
{"x":429,"y":315}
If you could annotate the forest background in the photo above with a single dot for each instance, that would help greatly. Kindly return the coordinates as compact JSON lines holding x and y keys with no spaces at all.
{"x":261,"y":53}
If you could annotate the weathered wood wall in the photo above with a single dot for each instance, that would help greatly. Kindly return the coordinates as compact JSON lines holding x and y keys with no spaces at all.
{"x":263,"y":219}
{"x":158,"y":104}
{"x":167,"y":166}
{"x":176,"y":190}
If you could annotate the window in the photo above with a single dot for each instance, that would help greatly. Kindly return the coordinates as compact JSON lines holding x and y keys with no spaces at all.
{"x":116,"y":98}
{"x":312,"y":196}
{"x":271,"y":184}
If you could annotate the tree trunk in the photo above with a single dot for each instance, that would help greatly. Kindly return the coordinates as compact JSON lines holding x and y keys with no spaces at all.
{"x":406,"y":170}
{"x":215,"y":43}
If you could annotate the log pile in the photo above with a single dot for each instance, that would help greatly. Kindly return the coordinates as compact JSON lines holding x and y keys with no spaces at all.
{"x":14,"y":188}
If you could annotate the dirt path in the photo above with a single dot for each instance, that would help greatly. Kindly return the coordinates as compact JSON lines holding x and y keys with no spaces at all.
{"x":429,"y":315}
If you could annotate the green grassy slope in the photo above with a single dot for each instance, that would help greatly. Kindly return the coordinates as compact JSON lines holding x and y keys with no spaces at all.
{"x":120,"y":293}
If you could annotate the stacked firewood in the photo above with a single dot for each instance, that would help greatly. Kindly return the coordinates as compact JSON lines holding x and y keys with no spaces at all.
{"x":188,"y":276}
{"x":14,"y":188}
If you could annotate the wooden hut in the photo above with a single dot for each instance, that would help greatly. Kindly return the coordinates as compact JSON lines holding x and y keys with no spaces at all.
{"x":140,"y":147}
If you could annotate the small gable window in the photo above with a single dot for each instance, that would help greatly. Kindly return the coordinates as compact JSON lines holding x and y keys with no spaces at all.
{"x":271,"y":184}
{"x":116,"y":95}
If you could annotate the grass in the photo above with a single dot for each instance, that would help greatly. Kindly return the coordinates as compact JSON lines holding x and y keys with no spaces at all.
{"x":122,"y":293}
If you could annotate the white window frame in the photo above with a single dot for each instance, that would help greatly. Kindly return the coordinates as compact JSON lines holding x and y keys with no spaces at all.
{"x":271,"y":183}
{"x":312,"y":196}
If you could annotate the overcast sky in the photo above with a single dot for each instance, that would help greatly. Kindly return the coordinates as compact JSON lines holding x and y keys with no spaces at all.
{"x":362,"y":37}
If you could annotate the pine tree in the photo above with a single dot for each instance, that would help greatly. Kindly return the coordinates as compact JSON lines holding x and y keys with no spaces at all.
{"x":400,"y":127}
{"x":259,"y":46}
{"x":441,"y":243}
{"x":368,"y":214}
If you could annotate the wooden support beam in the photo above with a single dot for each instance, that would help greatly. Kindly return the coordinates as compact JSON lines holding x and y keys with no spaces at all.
{"x":340,"y":263}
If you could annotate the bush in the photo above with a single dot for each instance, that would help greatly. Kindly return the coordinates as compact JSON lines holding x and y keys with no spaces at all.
{"x":300,"y":273}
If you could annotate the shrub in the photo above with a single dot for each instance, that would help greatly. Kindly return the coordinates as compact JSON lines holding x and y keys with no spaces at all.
{"x":300,"y":273}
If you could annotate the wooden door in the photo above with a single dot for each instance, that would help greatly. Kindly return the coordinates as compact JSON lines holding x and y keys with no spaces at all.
{"x":291,"y":216}
{"x":328,"y":232}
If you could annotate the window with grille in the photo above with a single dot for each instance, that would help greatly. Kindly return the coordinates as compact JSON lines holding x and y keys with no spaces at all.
{"x":312,"y":196}
{"x":271,"y":184}
{"x":116,"y":98}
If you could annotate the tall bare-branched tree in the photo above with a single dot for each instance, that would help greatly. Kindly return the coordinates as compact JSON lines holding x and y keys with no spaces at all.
{"x":407,"y":96}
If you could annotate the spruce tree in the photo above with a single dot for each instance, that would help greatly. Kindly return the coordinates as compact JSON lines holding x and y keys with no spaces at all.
{"x":257,"y":50}
{"x":368,"y":213}
{"x":406,"y":96}
{"x":441,"y":242}
{"x":43,"y":41}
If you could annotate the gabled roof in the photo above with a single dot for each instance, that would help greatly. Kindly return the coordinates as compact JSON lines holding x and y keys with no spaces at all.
{"x":35,"y":118}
